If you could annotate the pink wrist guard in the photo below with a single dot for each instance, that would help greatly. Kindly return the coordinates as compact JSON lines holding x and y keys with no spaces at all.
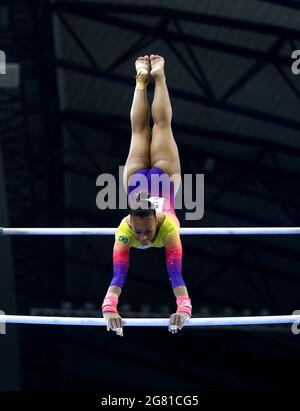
{"x":184,"y":305}
{"x":110,"y":304}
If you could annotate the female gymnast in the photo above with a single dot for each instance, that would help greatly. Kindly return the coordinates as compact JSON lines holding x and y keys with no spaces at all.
{"x":152,"y":222}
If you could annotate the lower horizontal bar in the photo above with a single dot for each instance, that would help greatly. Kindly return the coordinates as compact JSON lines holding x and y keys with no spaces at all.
{"x":151,"y":322}
{"x":183,"y":231}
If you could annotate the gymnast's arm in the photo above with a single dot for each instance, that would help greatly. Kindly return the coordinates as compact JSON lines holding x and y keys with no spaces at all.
{"x":173,"y":248}
{"x":121,"y":252}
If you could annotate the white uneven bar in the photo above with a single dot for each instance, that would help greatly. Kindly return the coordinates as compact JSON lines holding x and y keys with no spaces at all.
{"x":151,"y":322}
{"x":183,"y":231}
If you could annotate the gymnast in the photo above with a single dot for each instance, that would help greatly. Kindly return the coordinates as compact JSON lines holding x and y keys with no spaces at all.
{"x":152,"y":221}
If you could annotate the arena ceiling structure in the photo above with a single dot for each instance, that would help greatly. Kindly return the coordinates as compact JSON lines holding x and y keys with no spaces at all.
{"x":236,"y":120}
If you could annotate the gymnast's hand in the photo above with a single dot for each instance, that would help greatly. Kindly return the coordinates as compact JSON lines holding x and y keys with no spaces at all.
{"x":114,"y":323}
{"x":176,"y":322}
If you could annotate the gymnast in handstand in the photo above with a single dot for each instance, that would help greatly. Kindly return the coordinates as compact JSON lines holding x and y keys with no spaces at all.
{"x":152,"y":221}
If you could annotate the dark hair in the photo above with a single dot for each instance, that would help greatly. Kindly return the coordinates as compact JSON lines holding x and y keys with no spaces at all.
{"x":143,"y":207}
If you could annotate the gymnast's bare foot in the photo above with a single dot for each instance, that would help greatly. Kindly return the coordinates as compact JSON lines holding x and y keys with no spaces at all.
{"x":142,"y":66}
{"x":157,"y":66}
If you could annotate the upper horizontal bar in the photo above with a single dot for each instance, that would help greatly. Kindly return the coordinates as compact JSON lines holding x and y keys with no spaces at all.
{"x":183,"y":231}
{"x":151,"y":322}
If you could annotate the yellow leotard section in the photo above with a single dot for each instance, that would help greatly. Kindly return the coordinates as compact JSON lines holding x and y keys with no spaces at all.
{"x":125,"y":235}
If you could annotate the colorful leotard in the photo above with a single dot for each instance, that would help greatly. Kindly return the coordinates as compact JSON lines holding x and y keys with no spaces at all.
{"x":168,"y":237}
{"x":158,"y":185}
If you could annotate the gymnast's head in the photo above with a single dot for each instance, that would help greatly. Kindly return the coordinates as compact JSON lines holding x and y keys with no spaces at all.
{"x":143,"y":219}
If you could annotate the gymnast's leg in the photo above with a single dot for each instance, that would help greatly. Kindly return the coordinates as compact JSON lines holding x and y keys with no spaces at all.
{"x":139,"y":152}
{"x":164,"y":151}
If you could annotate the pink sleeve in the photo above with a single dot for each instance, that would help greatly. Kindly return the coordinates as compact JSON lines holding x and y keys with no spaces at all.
{"x":120,"y":265}
{"x":174,"y":263}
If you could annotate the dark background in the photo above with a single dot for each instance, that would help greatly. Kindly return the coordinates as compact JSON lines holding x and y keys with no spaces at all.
{"x":235,"y":119}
